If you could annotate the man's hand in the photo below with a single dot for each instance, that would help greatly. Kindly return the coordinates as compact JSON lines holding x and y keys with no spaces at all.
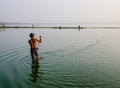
{"x":40,"y":36}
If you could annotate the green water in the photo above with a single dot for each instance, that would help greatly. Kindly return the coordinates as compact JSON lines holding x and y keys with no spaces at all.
{"x":88,"y":58}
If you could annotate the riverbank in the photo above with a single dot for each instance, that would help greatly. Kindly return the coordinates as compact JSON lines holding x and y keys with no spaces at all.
{"x":48,"y":27}
{"x":59,"y":27}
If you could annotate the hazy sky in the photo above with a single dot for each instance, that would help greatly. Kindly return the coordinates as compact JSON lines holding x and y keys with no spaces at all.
{"x":60,"y":11}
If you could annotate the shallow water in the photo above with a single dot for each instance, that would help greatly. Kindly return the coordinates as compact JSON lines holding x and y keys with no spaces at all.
{"x":88,"y":58}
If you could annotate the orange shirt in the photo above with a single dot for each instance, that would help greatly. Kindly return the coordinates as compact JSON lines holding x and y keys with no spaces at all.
{"x":33,"y":42}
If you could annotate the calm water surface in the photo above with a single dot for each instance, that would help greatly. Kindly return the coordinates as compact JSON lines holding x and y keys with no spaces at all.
{"x":88,"y":58}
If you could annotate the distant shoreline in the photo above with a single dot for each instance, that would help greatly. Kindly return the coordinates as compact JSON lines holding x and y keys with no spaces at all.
{"x":58,"y":27}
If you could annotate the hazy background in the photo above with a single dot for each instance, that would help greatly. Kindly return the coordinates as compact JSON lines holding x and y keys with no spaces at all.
{"x":60,"y":11}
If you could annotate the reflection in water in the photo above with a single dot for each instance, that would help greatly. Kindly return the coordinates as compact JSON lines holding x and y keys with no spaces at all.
{"x":35,"y":71}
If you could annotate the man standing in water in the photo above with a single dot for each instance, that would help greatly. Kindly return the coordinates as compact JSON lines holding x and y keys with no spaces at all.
{"x":33,"y":45}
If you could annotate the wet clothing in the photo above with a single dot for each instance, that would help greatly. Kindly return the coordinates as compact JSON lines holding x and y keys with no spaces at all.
{"x":34,"y":53}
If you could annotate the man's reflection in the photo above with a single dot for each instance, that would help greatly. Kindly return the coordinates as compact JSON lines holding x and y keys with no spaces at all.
{"x":35,"y":71}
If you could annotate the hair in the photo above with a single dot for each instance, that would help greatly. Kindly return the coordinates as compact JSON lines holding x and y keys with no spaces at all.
{"x":32,"y":35}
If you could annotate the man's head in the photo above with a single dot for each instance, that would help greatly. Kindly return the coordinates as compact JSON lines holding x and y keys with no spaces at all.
{"x":32,"y":35}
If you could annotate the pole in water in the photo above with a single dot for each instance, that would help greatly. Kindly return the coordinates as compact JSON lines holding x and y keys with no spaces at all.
{"x":38,"y":45}
{"x":39,"y":42}
{"x":79,"y":27}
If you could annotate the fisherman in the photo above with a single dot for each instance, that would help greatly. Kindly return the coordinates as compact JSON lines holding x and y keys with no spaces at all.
{"x":33,"y":46}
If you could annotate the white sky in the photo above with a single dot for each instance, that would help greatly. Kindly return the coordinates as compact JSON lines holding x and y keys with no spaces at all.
{"x":60,"y":11}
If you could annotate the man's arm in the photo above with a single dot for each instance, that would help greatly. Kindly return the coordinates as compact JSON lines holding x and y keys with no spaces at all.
{"x":39,"y":40}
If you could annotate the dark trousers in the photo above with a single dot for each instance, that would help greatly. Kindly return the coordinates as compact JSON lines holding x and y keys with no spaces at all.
{"x":34,"y":53}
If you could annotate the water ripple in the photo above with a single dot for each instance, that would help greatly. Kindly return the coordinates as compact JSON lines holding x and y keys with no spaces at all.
{"x":64,"y":68}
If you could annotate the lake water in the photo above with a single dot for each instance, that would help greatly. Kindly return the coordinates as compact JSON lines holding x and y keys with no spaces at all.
{"x":70,"y":58}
